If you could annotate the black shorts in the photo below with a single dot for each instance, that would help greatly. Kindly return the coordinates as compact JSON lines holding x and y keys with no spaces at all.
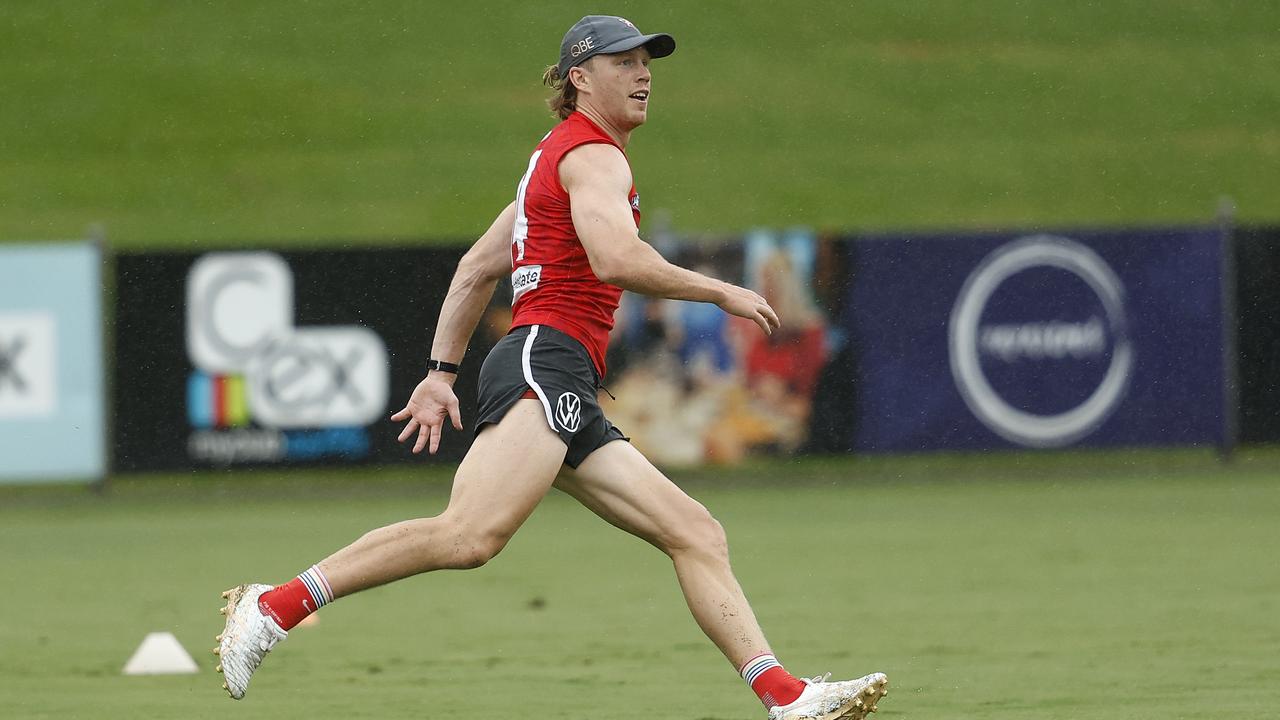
{"x":560,"y":373}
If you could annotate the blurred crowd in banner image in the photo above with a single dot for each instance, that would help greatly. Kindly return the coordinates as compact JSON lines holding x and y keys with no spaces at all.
{"x":695,"y":385}
{"x":690,"y":384}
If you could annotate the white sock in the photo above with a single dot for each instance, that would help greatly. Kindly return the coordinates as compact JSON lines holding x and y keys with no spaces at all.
{"x":756,"y":666}
{"x":317,"y":586}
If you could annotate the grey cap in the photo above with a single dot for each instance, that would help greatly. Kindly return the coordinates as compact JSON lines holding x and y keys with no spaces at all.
{"x":606,"y":34}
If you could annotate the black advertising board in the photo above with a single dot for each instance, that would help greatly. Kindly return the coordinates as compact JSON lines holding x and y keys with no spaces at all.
{"x":1258,"y":332}
{"x":297,"y":358}
{"x":278,"y":358}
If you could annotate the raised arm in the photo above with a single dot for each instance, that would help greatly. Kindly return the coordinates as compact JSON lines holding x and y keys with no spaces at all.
{"x":478,"y":273}
{"x":598,"y":179}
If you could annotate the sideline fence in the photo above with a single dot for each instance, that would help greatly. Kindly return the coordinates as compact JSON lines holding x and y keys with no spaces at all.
{"x":891,"y":343}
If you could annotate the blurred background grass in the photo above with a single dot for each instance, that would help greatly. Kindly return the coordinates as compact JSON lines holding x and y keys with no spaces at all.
{"x":228,"y":123}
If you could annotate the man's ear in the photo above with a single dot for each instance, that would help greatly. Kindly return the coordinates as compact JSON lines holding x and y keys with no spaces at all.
{"x":580,"y":75}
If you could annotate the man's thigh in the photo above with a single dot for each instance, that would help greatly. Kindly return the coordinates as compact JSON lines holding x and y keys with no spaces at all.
{"x":507,"y":471}
{"x":619,"y":484}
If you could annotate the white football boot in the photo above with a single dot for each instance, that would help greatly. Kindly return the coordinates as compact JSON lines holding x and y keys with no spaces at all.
{"x":845,"y":700}
{"x":247,"y":638}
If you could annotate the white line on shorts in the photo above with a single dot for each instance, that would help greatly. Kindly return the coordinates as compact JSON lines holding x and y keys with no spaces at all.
{"x":528,"y":375}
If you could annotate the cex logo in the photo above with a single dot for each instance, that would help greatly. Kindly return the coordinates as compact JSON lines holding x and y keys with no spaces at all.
{"x":253,"y":363}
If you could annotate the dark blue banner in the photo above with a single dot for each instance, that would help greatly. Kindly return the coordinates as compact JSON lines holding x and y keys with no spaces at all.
{"x":1101,"y":338}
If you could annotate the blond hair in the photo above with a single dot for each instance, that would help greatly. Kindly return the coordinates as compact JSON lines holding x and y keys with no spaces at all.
{"x":565,"y":99}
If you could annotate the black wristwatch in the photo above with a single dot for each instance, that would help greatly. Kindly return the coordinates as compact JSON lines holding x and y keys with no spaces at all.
{"x":442,"y":366}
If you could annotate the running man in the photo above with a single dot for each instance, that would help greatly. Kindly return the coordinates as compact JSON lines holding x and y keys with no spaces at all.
{"x":570,"y":245}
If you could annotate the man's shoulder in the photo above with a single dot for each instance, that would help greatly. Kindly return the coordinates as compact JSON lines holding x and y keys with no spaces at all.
{"x":594,"y":162}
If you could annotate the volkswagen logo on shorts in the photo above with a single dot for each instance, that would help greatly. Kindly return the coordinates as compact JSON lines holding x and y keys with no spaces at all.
{"x":1039,"y":341}
{"x":569,"y":411}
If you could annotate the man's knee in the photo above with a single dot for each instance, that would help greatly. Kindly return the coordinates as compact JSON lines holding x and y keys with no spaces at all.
{"x":468,"y":546}
{"x":476,"y":554}
{"x":700,"y":533}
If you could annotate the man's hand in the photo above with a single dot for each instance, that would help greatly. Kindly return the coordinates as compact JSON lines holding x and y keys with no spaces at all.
{"x":426,"y":410}
{"x":747,"y":304}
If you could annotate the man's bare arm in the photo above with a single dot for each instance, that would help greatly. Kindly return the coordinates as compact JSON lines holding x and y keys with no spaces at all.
{"x":598,"y":179}
{"x":473,"y":284}
{"x":433,"y":400}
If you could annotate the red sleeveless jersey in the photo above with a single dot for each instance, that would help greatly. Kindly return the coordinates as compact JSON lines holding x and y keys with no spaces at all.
{"x":552,"y":282}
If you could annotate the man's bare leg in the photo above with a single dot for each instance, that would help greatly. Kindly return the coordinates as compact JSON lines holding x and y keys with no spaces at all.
{"x":507,"y":471}
{"x":620,"y":485}
{"x":623,"y":487}
{"x":504,"y":475}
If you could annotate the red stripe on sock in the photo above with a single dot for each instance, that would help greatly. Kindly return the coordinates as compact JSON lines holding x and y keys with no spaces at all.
{"x":777,"y":686}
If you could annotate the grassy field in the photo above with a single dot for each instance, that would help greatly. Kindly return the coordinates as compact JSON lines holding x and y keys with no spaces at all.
{"x":1123,"y":585}
{"x":1026,"y":587}
{"x":181,"y":123}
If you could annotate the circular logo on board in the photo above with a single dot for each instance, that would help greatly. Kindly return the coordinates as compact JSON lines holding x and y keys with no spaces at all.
{"x":1040,"y":321}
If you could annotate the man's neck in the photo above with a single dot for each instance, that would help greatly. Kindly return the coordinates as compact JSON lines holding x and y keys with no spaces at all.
{"x":622,"y":137}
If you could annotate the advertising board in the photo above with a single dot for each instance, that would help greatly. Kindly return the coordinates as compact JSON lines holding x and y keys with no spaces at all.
{"x":51,"y":377}
{"x":273,"y":358}
{"x":1038,"y":340}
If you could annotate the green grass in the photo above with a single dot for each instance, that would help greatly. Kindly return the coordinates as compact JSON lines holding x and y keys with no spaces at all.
{"x":195,"y":124}
{"x":1132,"y":585}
